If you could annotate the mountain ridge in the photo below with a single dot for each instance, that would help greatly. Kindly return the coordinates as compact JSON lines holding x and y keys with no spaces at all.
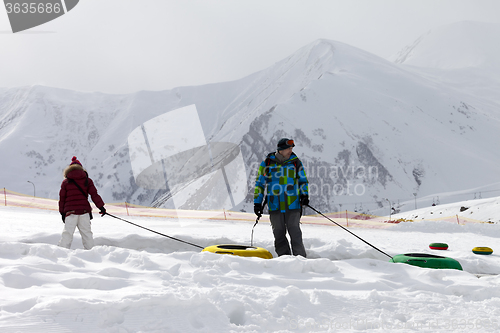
{"x":348,"y":111}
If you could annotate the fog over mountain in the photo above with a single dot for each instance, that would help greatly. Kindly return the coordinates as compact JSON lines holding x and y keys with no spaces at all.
{"x":459,"y":45}
{"x":368,"y":130}
{"x":463,"y":55}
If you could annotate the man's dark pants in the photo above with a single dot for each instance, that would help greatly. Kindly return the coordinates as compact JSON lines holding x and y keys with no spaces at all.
{"x":281,"y":222}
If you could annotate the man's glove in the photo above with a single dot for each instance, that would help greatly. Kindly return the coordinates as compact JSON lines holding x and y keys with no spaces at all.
{"x":304,"y":200}
{"x":102,"y":211}
{"x":63,"y":216}
{"x":257,"y":208}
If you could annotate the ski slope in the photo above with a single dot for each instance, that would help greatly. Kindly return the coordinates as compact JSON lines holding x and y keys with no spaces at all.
{"x":137,"y":281}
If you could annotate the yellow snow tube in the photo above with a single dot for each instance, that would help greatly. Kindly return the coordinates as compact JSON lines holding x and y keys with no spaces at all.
{"x":239,"y":250}
{"x":482,"y":250}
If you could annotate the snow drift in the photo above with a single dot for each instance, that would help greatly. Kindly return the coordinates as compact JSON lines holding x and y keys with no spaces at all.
{"x":134,"y":280}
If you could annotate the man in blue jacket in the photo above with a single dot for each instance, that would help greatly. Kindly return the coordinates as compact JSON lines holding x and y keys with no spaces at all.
{"x":282,"y":175}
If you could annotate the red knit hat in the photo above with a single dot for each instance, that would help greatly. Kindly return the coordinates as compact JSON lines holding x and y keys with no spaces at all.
{"x":75,"y":161}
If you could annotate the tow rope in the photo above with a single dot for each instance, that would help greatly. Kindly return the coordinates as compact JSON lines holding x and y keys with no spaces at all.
{"x":257,"y":220}
{"x":349,"y":231}
{"x":156,"y":232}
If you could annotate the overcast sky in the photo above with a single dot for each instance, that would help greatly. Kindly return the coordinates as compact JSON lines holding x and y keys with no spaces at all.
{"x":123,"y":46}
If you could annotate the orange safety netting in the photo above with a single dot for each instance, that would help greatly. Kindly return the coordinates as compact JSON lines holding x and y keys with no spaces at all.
{"x":346,"y":219}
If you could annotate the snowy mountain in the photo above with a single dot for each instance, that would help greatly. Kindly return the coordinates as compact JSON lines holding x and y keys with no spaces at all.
{"x":366,"y":129}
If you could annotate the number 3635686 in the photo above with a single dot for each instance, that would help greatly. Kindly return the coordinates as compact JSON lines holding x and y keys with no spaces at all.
{"x":33,"y":8}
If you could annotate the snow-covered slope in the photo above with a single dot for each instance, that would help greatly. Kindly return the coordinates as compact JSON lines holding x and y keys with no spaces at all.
{"x":486,"y":210}
{"x":366,"y":129}
{"x":41,"y":128}
{"x":377,"y":129}
{"x":137,"y":281}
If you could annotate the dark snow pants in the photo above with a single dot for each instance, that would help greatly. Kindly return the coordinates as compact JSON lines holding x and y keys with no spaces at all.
{"x":281,"y":222}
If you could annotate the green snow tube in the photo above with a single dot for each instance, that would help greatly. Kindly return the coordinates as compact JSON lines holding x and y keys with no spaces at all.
{"x":427,"y":261}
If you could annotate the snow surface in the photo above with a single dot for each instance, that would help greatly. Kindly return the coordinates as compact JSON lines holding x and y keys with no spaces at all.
{"x":137,"y":281}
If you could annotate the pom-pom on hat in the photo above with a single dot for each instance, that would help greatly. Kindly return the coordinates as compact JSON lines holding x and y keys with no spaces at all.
{"x":75,"y":161}
{"x":285,"y":144}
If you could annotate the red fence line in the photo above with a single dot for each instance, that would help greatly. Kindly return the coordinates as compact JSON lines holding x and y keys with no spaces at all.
{"x":348,"y":219}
